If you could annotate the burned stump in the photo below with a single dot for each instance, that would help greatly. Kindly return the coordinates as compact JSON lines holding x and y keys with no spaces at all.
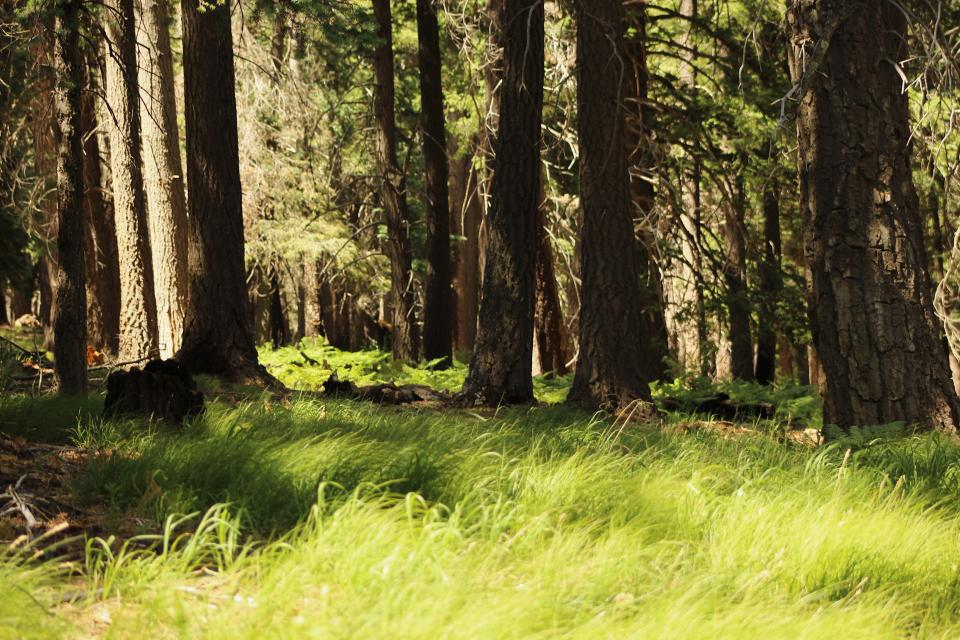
{"x":723,"y":407}
{"x":161,"y":390}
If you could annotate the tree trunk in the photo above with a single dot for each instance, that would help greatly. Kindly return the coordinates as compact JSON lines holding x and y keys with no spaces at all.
{"x":467,"y":207}
{"x":656,"y":347}
{"x":163,"y":172}
{"x":217,"y":335}
{"x":771,"y":284}
{"x":279,"y":325}
{"x":500,"y":370}
{"x":138,"y":308}
{"x":69,"y":322}
{"x":438,"y":299}
{"x":393,"y":191}
{"x":100,"y":240}
{"x":610,"y":370}
{"x":735,"y":277}
{"x":880,"y":343}
{"x":548,"y":319}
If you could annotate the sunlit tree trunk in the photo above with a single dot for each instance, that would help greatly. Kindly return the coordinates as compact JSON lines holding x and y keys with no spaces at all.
{"x":163,"y":172}
{"x":138,"y":308}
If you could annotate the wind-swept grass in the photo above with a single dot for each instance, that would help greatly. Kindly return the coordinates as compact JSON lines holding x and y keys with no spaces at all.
{"x":333,"y":519}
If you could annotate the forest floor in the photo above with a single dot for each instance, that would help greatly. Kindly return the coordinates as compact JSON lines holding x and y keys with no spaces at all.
{"x":307,"y":517}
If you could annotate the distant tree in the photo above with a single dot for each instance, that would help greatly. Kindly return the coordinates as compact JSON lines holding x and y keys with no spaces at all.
{"x":218,"y":333}
{"x":163,"y":172}
{"x":69,"y":322}
{"x":438,"y":313}
{"x":393,"y":194}
{"x":500,"y":371}
{"x":610,"y":370}
{"x":771,"y":286}
{"x":138,"y":307}
{"x":877,"y":336}
{"x":100,"y":247}
{"x":735,"y":278}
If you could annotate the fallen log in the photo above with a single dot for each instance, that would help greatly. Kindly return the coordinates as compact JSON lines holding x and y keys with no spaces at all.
{"x":388,"y":393}
{"x":721,"y":406}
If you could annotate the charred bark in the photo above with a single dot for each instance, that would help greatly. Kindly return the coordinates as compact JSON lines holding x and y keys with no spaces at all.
{"x":500,"y":370}
{"x":610,"y":371}
{"x":217,"y":337}
{"x":879,"y":341}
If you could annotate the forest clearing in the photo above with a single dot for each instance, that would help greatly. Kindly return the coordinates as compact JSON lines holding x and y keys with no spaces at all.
{"x":479,"y":319}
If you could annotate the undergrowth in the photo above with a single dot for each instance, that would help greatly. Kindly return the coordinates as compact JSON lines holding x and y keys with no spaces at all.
{"x":309,"y":518}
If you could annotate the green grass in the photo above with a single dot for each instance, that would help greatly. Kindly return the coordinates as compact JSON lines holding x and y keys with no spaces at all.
{"x":336,"y":519}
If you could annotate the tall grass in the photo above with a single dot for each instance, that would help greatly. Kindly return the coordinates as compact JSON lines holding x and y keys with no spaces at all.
{"x":344,"y":520}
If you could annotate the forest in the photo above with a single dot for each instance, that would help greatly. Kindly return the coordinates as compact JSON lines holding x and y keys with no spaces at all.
{"x":480,"y":319}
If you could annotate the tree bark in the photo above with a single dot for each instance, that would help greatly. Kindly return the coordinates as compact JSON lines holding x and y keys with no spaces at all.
{"x":880,"y":343}
{"x":138,"y":308}
{"x":69,"y":322}
{"x":163,"y":172}
{"x":548,"y":318}
{"x":100,"y":241}
{"x":771,"y":285}
{"x":406,"y":340}
{"x":438,"y":298}
{"x":217,"y":335}
{"x":279,"y":324}
{"x":610,"y":370}
{"x":467,"y":208}
{"x":735,"y":277}
{"x":500,"y":370}
{"x":656,"y":347}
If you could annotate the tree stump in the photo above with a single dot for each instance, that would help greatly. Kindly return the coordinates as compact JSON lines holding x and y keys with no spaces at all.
{"x":162,"y":390}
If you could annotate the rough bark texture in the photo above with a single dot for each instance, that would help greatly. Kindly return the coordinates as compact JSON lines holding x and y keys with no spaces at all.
{"x":656,"y":346}
{"x":69,"y":324}
{"x":500,"y":370}
{"x":610,"y":372}
{"x":100,"y":240}
{"x":218,"y":337}
{"x":771,"y":284}
{"x":138,"y":308}
{"x":880,"y":344}
{"x":438,"y":294}
{"x":406,"y":339}
{"x":163,"y":172}
{"x":735,"y":279}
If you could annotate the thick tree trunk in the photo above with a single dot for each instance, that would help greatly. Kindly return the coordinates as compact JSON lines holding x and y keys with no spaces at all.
{"x":467,"y":208}
{"x":656,"y":348}
{"x":610,"y":371}
{"x":735,"y":277}
{"x":70,"y":349}
{"x":217,"y":334}
{"x":100,"y":241}
{"x":771,"y":284}
{"x":880,"y":343}
{"x":500,"y":370}
{"x":548,"y":318}
{"x":138,"y":307}
{"x":406,"y":340}
{"x":163,"y":172}
{"x":438,"y":298}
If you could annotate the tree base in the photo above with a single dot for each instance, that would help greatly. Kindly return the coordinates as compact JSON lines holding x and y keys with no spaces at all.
{"x":162,"y":390}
